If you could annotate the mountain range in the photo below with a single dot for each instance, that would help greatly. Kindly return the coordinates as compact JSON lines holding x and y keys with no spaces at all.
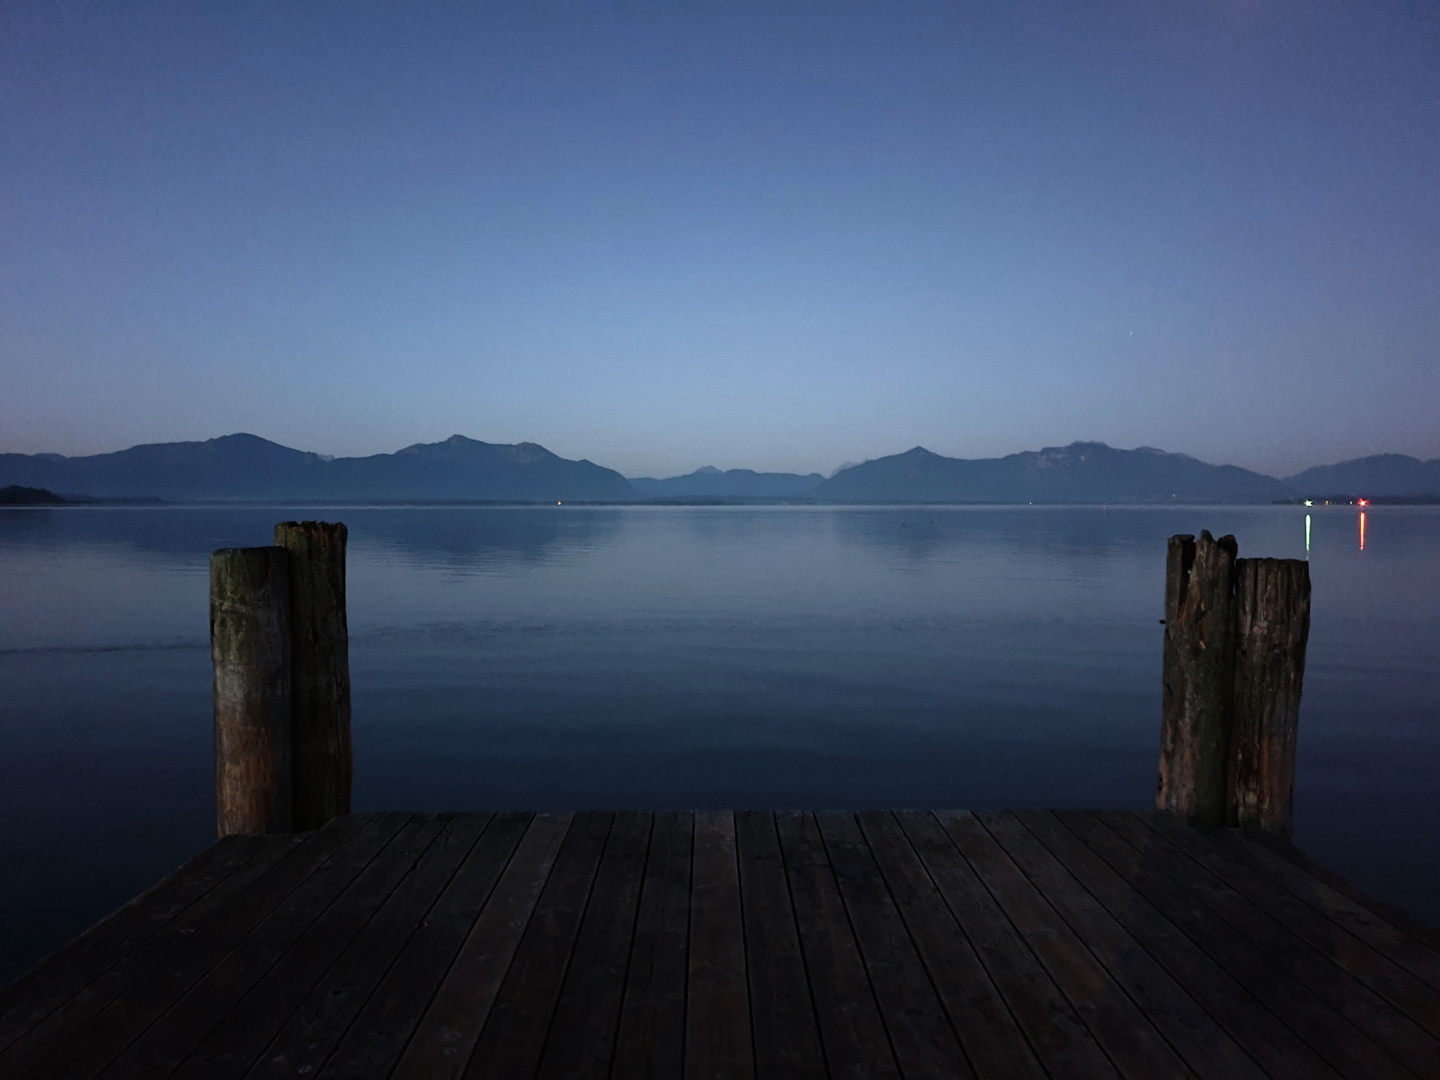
{"x":732,"y":483}
{"x":248,"y":468}
{"x":1383,"y":474}
{"x":1085,"y":472}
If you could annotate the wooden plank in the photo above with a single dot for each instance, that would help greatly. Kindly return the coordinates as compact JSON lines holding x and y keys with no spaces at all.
{"x":717,"y":1012}
{"x":426,"y":850}
{"x":807,"y":944}
{"x":1348,"y":953}
{"x":283,"y":955}
{"x":921,"y":1035}
{"x":175,"y":939}
{"x":311,"y":1032}
{"x":851,"y":1028}
{"x":149,"y":996}
{"x":1327,"y":1032}
{"x":1190,"y":1030}
{"x":787,"y":1037}
{"x":1381,"y":1022}
{"x":987,"y":1030}
{"x":1390,"y":941}
{"x":1054,"y":1029}
{"x":58,"y":977}
{"x":378,"y":1036}
{"x":1273,"y":1046}
{"x":446,"y":1035}
{"x":1122,"y":1029}
{"x":513,"y":1037}
{"x":650,"y":1042}
{"x":1428,"y":936}
{"x":582,"y":1034}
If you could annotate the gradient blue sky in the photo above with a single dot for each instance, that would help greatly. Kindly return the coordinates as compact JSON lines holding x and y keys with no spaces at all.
{"x":751,"y":235}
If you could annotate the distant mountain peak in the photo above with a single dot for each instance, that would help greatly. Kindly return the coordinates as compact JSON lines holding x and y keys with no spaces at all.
{"x":1083,"y":472}
{"x":710,"y":482}
{"x":1078,"y":451}
{"x":1378,"y":474}
{"x":524,"y":453}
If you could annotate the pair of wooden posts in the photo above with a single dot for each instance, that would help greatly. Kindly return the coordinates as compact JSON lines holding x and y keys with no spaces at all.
{"x":1234,"y":661}
{"x":280,"y":645}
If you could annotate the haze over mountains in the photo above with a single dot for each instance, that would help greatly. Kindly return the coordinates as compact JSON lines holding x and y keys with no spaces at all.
{"x":248,"y":468}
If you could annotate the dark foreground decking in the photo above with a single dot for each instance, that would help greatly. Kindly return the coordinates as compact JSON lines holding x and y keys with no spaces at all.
{"x":951,"y":944}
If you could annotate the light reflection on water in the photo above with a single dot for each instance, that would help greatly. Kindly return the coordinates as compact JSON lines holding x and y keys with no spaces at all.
{"x":554,"y":657}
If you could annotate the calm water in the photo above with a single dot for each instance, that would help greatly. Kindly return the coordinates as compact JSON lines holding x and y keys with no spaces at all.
{"x":565,"y":657}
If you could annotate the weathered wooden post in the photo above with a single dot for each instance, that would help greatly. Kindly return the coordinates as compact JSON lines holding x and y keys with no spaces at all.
{"x":250,"y":647}
{"x":320,"y":660}
{"x":1198,"y":666}
{"x":1273,"y":625}
{"x":1233,"y":664}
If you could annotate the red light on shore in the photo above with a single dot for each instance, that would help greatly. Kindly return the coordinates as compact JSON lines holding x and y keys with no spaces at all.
{"x":1364,"y":502}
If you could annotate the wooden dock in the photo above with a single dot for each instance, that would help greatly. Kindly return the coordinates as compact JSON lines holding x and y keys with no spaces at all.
{"x":915,"y":944}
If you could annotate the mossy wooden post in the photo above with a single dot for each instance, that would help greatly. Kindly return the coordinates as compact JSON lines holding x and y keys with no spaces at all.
{"x":1198,"y":665}
{"x":320,"y":652}
{"x":1272,"y":600}
{"x":250,"y":647}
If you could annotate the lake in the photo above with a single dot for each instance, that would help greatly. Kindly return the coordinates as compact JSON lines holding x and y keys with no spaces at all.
{"x":659,"y":657}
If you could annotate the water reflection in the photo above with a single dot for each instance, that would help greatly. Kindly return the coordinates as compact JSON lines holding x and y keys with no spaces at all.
{"x":488,"y":538}
{"x":457,"y":536}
